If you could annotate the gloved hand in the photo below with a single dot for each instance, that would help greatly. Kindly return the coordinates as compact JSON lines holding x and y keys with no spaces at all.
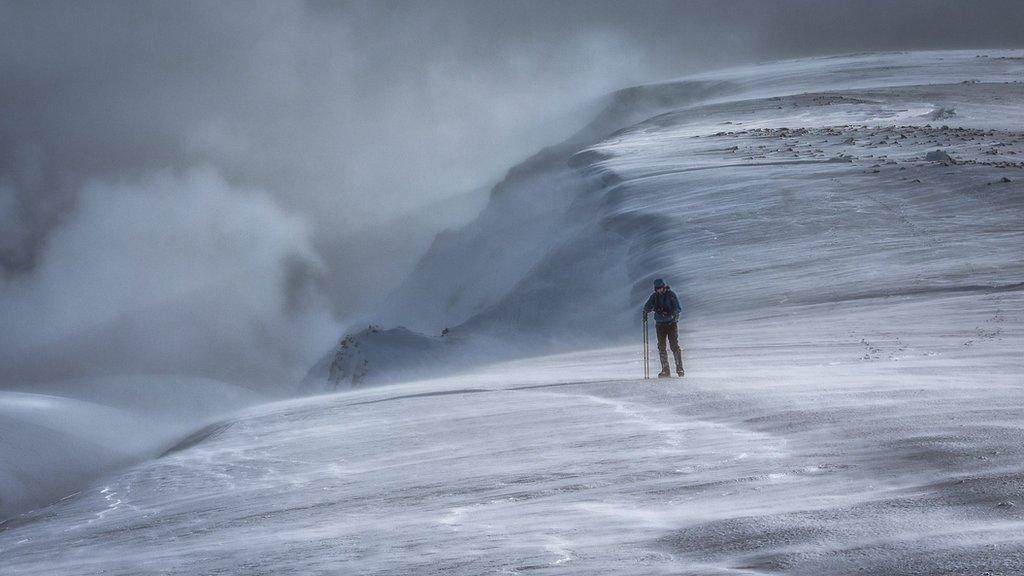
{"x":645,"y":315}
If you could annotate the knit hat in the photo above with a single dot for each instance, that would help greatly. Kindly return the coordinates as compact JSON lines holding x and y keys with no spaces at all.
{"x":659,"y":283}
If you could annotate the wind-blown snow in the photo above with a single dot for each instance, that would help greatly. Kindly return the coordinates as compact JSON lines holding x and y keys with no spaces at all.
{"x":853,"y":320}
{"x":780,"y":185}
{"x":782,"y":452}
{"x":57,"y":437}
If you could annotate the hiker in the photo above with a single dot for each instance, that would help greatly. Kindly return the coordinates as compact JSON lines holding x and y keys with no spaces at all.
{"x":665,"y":305}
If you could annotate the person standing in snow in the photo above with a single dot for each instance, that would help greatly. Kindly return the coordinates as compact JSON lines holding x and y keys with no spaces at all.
{"x":665,"y":305}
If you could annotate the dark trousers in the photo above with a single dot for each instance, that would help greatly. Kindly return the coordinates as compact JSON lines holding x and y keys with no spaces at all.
{"x":669,"y":331}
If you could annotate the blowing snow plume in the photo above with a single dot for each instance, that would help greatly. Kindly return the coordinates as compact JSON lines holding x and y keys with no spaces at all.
{"x":174,"y":274}
{"x":151,"y":288}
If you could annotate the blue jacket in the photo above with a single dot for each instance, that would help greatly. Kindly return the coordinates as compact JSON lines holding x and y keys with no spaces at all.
{"x":665,"y":306}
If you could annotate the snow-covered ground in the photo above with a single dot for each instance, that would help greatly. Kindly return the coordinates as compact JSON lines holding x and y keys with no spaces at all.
{"x":57,"y":437}
{"x":761,"y":189}
{"x":853,"y":325}
{"x":846,"y":450}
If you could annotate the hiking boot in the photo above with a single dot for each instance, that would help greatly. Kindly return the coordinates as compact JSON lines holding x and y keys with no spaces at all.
{"x":666,"y":371}
{"x":679,"y":361}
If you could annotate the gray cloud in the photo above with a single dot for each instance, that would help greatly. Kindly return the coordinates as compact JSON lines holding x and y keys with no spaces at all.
{"x":346,"y":115}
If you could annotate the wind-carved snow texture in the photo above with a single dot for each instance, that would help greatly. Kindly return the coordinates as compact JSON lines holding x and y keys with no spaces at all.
{"x":799,"y":182}
{"x":853,"y":320}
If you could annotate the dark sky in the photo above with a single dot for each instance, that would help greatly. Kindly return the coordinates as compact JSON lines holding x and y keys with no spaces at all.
{"x":330,"y":117}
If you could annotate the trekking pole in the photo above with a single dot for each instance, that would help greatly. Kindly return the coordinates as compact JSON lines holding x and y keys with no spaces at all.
{"x":647,"y":366}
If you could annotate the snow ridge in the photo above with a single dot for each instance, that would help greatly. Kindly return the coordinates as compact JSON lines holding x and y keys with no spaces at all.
{"x":754,"y":189}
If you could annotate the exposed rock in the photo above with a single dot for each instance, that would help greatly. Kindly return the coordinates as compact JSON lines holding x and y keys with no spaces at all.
{"x":940,"y":113}
{"x":359,"y":358}
{"x":940,"y":156}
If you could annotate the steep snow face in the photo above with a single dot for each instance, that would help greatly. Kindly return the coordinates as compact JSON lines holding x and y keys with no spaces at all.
{"x":755,"y":190}
{"x":507,"y":255}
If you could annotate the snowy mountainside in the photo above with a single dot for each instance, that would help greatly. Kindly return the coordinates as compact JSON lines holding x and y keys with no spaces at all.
{"x":846,"y":235}
{"x":753,"y":190}
{"x":535,"y":208}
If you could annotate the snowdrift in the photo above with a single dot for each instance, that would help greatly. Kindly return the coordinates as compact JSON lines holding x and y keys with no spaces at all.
{"x":59,"y":436}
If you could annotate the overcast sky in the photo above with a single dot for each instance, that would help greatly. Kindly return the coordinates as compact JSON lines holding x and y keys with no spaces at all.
{"x":130,"y":130}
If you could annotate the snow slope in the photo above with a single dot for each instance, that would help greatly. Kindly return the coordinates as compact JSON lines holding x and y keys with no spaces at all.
{"x":780,"y":453}
{"x":57,"y":437}
{"x":853,"y":321}
{"x":762,"y":188}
